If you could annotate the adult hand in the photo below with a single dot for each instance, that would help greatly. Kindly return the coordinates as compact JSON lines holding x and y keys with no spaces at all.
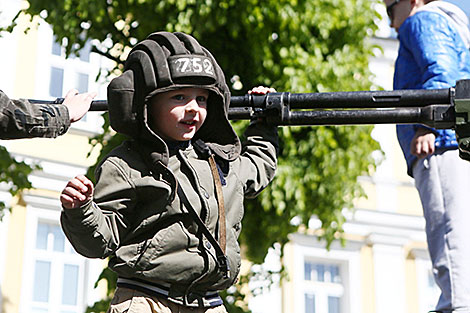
{"x":78,"y":104}
{"x":422,"y":143}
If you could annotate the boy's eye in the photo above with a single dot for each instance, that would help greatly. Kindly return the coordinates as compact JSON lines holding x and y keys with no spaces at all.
{"x":178,"y":97}
{"x":201,"y":99}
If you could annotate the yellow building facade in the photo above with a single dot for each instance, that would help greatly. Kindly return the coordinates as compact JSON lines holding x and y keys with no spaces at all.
{"x":39,"y":270}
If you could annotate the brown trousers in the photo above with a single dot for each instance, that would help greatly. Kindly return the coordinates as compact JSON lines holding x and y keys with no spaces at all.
{"x":132,"y":301}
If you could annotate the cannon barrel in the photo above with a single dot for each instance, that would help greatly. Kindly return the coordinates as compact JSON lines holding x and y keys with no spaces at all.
{"x":438,"y":108}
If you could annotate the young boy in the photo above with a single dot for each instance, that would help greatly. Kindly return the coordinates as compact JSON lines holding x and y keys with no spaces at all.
{"x":168,"y":204}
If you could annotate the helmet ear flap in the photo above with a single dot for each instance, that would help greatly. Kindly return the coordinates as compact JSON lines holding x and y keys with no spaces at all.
{"x":122,"y":115}
{"x":126,"y":93}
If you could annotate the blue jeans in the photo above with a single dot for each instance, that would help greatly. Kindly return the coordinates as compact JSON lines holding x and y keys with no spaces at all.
{"x":443,"y":183}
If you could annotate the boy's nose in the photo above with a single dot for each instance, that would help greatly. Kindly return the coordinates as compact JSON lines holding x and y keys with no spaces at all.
{"x":192,"y":105}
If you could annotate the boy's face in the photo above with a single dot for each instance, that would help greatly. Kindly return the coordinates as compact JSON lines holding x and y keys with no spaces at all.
{"x":178,"y":114}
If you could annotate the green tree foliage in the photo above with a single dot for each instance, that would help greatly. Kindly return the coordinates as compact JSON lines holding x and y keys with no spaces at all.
{"x":14,"y":174}
{"x":291,"y":45}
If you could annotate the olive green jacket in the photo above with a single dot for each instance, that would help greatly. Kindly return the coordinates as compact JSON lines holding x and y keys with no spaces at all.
{"x":139,"y":221}
{"x":22,"y":119}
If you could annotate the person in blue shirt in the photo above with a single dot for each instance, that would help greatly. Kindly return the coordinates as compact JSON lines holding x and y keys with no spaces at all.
{"x":434,"y":53}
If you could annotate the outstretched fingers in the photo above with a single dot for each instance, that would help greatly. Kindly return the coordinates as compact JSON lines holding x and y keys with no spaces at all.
{"x":78,"y":103}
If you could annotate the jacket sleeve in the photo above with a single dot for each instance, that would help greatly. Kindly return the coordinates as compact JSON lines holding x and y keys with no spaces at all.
{"x":96,"y":229}
{"x":258,"y":160}
{"x":436,"y":48}
{"x":22,"y":119}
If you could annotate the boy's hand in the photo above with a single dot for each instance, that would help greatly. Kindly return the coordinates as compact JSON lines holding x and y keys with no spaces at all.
{"x":261,"y":90}
{"x":78,"y":191}
{"x":78,"y":103}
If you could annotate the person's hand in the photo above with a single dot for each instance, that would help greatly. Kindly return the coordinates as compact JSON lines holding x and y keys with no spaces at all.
{"x":422,"y":143}
{"x":78,"y":103}
{"x":261,"y":90}
{"x":77,"y":192}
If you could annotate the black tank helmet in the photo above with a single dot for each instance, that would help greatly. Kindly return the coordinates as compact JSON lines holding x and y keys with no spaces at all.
{"x":166,"y":61}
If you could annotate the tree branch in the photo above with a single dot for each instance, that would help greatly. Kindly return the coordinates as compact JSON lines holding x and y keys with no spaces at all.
{"x":107,"y":55}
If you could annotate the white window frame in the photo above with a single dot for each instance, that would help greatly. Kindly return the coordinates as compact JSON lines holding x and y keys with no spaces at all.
{"x":36,"y":215}
{"x":322,"y":290}
{"x":307,"y":248}
{"x":72,"y":66}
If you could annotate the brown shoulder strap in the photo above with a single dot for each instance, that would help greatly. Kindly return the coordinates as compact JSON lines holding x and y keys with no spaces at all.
{"x":220,"y":202}
{"x":221,"y":258}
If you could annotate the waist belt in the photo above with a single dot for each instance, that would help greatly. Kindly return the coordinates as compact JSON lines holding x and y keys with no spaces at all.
{"x":158,"y":290}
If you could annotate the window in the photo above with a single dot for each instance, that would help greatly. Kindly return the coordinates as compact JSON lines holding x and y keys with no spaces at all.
{"x":321,"y":272}
{"x":323,"y":287}
{"x":56,"y":47}
{"x":82,"y":82}
{"x":56,"y":74}
{"x":56,"y":82}
{"x":70,"y":284}
{"x":85,"y":52}
{"x":309,"y":303}
{"x":42,"y":273}
{"x":333,"y":304}
{"x":73,"y":72}
{"x":57,"y":274}
{"x":64,"y":70}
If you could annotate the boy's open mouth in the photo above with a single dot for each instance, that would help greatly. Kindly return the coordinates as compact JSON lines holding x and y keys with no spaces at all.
{"x":188,"y":122}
